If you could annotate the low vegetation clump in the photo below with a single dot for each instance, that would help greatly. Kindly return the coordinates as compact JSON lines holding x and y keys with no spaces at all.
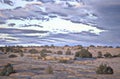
{"x":12,"y":56}
{"x":43,"y":54}
{"x":17,"y":50}
{"x":21,"y":54}
{"x":7,"y":70}
{"x":46,"y":51}
{"x":49,"y":70}
{"x":91,"y":46}
{"x":68,"y":52}
{"x":107,"y":55}
{"x":59,"y":52}
{"x":33,"y":51}
{"x":80,"y":46}
{"x":83,"y":54}
{"x":104,"y":69}
{"x":118,"y":55}
{"x":99,"y":54}
{"x":63,"y":61}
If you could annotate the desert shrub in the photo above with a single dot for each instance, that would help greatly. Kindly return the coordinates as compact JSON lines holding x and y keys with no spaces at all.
{"x":21,"y":54}
{"x":66,"y":46}
{"x":43,"y":54}
{"x":91,"y":46}
{"x":33,"y":51}
{"x":68,"y":52}
{"x":52,"y":46}
{"x":46,"y":46}
{"x":59,"y":52}
{"x":18,"y":50}
{"x":43,"y":50}
{"x":12,"y":56}
{"x":2,"y":49}
{"x":63,"y":61}
{"x":118,"y":55}
{"x":77,"y":54}
{"x":107,"y":55}
{"x":46,"y":51}
{"x":49,"y":51}
{"x":49,"y":70}
{"x":110,"y":47}
{"x":99,"y":54}
{"x":7,"y":70}
{"x":25,"y":50}
{"x":79,"y":46}
{"x":8,"y":49}
{"x":104,"y":69}
{"x":83,"y":54}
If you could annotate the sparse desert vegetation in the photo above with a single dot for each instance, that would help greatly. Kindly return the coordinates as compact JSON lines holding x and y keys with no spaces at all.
{"x":99,"y":54}
{"x":107,"y":55}
{"x":7,"y":70}
{"x":49,"y":70}
{"x":83,"y":53}
{"x":12,"y":56}
{"x":55,"y":62}
{"x":104,"y":69}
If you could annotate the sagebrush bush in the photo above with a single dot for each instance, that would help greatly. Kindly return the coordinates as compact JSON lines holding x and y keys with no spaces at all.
{"x":46,"y":51}
{"x":43,"y":54}
{"x":7,"y":70}
{"x":63,"y":61}
{"x":21,"y":54}
{"x":107,"y":55}
{"x":12,"y":56}
{"x":59,"y":52}
{"x":104,"y":69}
{"x":99,"y":54}
{"x":83,"y":54}
{"x":118,"y":55}
{"x":68,"y":52}
{"x":49,"y":70}
{"x":33,"y":51}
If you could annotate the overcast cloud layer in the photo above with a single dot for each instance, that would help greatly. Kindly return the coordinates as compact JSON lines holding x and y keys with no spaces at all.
{"x":59,"y":22}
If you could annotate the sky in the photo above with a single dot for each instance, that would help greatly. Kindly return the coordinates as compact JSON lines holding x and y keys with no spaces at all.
{"x":59,"y":22}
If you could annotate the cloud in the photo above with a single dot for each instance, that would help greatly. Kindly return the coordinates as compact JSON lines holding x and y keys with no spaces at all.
{"x":8,"y":37}
{"x":60,"y":22}
{"x":55,"y":25}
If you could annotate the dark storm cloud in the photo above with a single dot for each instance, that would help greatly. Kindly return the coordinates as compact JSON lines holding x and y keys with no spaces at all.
{"x":108,"y":11}
{"x":109,"y":19}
